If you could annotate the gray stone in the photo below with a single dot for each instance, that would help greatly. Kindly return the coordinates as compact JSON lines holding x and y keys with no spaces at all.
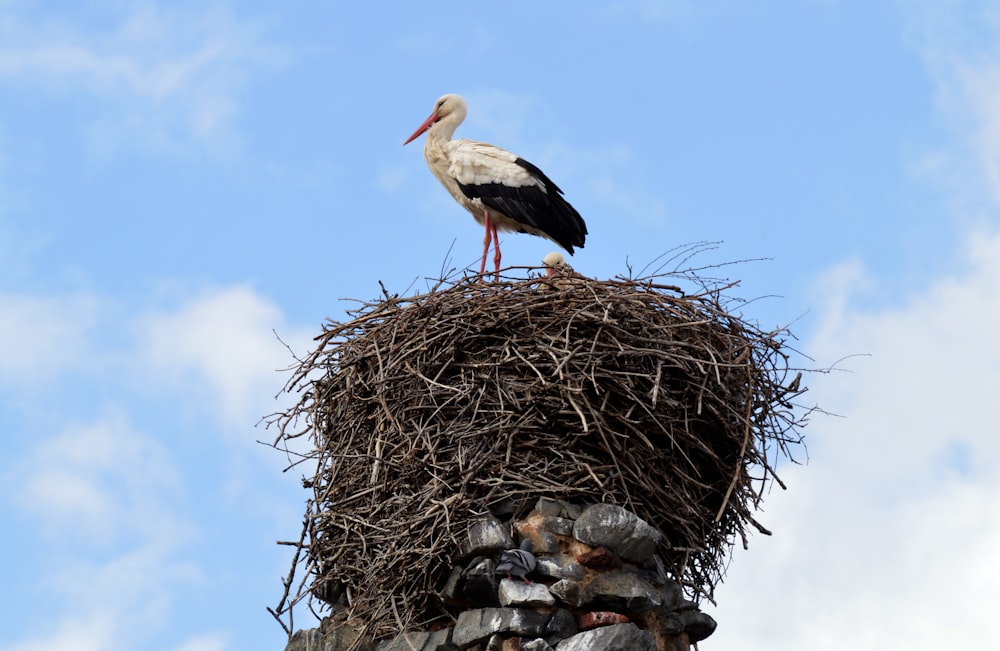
{"x":302,"y":640}
{"x":518,"y":593}
{"x":557,"y":508}
{"x":560,"y":526}
{"x":617,"y":637}
{"x":666,"y":622}
{"x":451,"y":593}
{"x":538,"y":644}
{"x":622,"y":590}
{"x":485,"y":538}
{"x":477,"y":625}
{"x":419,"y":641}
{"x":346,"y":638}
{"x":559,"y":567}
{"x":698,"y":625}
{"x":440,"y":641}
{"x":504,"y":507}
{"x":562,"y":624}
{"x":569,"y":591}
{"x":342,"y":638}
{"x":548,"y":507}
{"x":481,"y":583}
{"x":654,"y":570}
{"x":621,"y":531}
{"x":672,"y":594}
{"x":542,"y":542}
{"x":332,"y":592}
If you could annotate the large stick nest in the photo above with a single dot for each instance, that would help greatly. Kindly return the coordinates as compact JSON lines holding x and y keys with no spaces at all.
{"x":426,"y":412}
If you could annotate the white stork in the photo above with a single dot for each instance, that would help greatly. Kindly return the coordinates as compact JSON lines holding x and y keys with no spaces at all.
{"x":555,"y":263}
{"x":502,"y":191}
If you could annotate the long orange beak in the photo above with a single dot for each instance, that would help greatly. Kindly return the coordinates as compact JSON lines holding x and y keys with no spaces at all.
{"x":423,"y":127}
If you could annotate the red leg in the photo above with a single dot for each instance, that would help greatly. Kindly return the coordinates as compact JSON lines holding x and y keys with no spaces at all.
{"x":496,"y":249}
{"x":486,"y":246}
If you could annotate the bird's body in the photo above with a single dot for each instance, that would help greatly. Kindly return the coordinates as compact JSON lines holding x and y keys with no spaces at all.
{"x":517,"y":562}
{"x":502,"y":191}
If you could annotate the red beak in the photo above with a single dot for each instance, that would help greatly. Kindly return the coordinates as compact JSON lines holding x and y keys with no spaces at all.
{"x":423,"y":127}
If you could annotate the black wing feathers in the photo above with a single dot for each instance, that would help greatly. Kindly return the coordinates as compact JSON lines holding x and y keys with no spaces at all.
{"x":542,"y":207}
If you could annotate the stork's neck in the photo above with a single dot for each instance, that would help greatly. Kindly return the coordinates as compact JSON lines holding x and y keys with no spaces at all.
{"x":441,"y":131}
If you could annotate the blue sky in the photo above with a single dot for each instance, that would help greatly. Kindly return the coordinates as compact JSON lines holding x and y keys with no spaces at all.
{"x":178,"y":181}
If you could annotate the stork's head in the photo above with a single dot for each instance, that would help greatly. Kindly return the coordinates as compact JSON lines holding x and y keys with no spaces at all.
{"x":449,"y":111}
{"x":554,"y":263}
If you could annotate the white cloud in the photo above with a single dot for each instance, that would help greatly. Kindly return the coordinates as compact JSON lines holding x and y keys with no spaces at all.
{"x":96,"y":482}
{"x":41,"y":336}
{"x":207,"y":642}
{"x":103,"y":508}
{"x":137,"y":587}
{"x":102,"y":502}
{"x":166,"y":75}
{"x":888,"y":538}
{"x":960,"y":45}
{"x":218,"y":351}
{"x":121,"y":603}
{"x":224,"y":342}
{"x":94,"y":632}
